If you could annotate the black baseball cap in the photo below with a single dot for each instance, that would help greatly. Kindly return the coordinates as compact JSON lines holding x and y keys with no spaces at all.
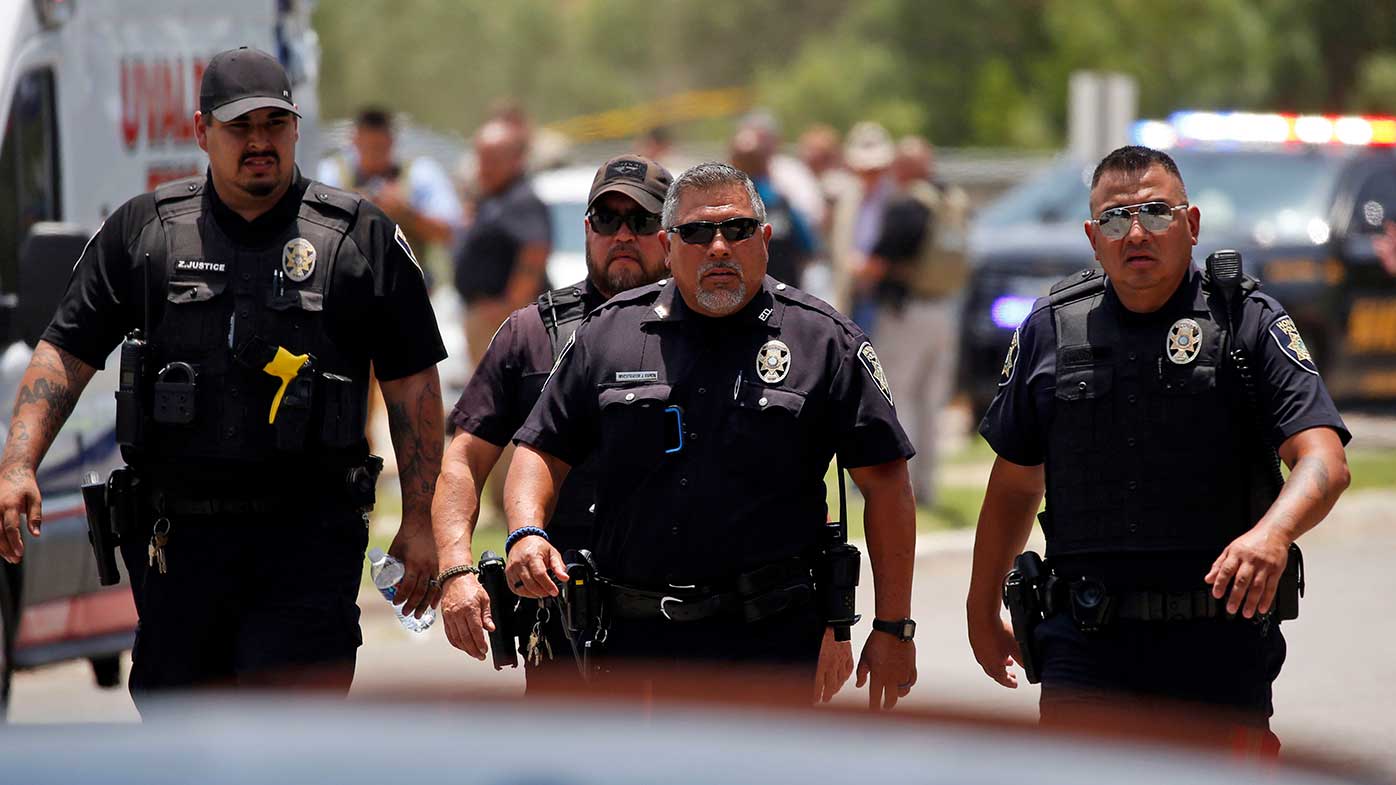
{"x":635,"y":176}
{"x":241,"y":80}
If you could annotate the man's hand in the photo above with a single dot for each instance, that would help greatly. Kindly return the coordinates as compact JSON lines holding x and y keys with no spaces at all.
{"x":835,"y":666}
{"x":416,"y":549}
{"x":391,"y":198}
{"x":465,"y":608}
{"x":533,"y":564}
{"x":994,"y":647}
{"x":1384,"y":245}
{"x":19,"y":497}
{"x":1251,"y":565}
{"x":888,"y":665}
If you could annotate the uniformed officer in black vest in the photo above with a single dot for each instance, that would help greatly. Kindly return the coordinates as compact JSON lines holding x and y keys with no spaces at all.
{"x":1119,"y":399}
{"x":261,"y":299}
{"x":623,"y":251}
{"x":715,"y":400}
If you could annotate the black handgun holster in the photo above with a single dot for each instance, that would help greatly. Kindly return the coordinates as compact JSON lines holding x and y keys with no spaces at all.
{"x":1022,"y":595}
{"x":502,"y":603}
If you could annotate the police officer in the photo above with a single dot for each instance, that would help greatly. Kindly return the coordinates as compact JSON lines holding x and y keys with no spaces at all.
{"x":262,"y":298}
{"x":716,"y":400}
{"x":623,"y":250}
{"x":1119,"y":399}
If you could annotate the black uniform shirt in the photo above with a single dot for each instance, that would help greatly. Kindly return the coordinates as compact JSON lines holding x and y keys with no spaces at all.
{"x":382,"y":308}
{"x":709,"y":469}
{"x":504,"y":223}
{"x":1291,"y":395}
{"x":503,"y":390}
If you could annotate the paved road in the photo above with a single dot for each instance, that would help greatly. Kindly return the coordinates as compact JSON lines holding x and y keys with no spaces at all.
{"x":1333,"y":697}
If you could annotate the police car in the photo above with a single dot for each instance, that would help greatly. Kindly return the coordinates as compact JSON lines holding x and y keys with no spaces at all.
{"x":97,"y":98}
{"x":1302,"y":197}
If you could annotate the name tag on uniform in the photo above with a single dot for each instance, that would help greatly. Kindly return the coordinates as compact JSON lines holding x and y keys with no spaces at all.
{"x":637,"y":376}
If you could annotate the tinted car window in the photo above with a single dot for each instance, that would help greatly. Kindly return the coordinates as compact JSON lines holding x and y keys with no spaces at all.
{"x":1058,"y":194}
{"x":1273,"y":197}
{"x":28,"y":169}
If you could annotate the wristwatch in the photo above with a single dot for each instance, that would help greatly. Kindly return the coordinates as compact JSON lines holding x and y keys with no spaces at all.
{"x":902,"y":629}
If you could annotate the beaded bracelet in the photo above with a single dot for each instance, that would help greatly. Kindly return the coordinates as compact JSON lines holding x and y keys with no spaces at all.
{"x":522,"y":532}
{"x":463,"y":569}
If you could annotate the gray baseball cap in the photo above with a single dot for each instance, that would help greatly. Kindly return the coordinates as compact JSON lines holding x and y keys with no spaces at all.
{"x":635,"y":176}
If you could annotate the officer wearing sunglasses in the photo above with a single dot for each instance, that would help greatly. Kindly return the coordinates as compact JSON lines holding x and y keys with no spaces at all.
{"x":623,"y":251}
{"x":716,"y":400}
{"x":1148,"y":400}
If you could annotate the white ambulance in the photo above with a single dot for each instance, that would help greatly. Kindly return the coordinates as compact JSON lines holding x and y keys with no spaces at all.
{"x":96,"y":104}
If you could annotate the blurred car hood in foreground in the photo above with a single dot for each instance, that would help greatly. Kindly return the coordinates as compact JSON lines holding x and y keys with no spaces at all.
{"x":302,"y":739}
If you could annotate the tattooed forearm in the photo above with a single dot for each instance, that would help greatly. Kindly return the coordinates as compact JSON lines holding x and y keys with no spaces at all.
{"x":415,"y":422}
{"x":1315,"y":483}
{"x":47,"y":394}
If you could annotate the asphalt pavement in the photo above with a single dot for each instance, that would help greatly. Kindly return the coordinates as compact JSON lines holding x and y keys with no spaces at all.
{"x":1333,"y":696}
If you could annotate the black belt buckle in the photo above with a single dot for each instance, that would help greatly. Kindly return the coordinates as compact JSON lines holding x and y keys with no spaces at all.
{"x":1091,"y":604}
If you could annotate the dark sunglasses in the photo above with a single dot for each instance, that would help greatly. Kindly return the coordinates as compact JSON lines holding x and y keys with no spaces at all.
{"x":608,"y":223}
{"x":702,"y":232}
{"x":1153,"y":216}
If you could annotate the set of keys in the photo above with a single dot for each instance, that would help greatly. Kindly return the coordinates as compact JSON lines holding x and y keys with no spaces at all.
{"x":537,"y":643}
{"x":159,"y":538}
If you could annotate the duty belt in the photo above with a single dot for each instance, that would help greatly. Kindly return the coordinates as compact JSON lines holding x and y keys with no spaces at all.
{"x":1132,"y":605}
{"x":753,"y":596}
{"x":1143,"y":605}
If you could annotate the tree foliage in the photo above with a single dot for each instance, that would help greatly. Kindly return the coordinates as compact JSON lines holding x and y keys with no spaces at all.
{"x":963,"y":72}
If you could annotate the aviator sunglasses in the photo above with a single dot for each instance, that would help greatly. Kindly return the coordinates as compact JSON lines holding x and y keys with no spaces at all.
{"x":1153,"y":216}
{"x":608,"y":223}
{"x":703,"y":232}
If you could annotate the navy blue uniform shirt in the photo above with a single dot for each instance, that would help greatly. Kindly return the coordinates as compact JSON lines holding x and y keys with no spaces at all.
{"x":713,"y":435}
{"x":503,"y":390}
{"x":1291,"y":398}
{"x":1291,"y":394}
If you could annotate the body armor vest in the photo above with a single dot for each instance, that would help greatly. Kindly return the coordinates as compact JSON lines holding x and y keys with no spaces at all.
{"x":562,"y":311}
{"x":1146,"y":449}
{"x":219,"y":296}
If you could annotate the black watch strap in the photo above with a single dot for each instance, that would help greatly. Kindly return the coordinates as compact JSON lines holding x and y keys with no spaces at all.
{"x":901,"y":629}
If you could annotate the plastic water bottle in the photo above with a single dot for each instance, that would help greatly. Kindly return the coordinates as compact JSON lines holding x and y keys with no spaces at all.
{"x":386,"y":572}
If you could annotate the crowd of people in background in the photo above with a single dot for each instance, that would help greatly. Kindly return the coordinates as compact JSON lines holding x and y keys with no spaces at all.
{"x":860,"y":218}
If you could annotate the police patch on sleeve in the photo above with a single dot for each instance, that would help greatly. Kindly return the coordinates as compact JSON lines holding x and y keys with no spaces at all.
{"x":406,"y":246}
{"x":1286,"y":336}
{"x":1010,"y":362}
{"x":868,"y":358}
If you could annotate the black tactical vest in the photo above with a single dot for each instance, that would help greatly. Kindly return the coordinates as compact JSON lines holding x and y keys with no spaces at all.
{"x":218,"y":296}
{"x":1146,"y":450}
{"x":562,"y":311}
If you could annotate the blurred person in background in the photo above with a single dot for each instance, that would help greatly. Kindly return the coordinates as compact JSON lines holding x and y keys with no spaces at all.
{"x":501,"y":263}
{"x":417,"y":194}
{"x":623,"y":251}
{"x":791,"y":177}
{"x":246,"y":526}
{"x":792,"y":244}
{"x":921,"y":263}
{"x":1384,"y":245}
{"x":868,"y":152}
{"x":657,"y":144}
{"x":716,"y":401}
{"x":820,"y":149}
